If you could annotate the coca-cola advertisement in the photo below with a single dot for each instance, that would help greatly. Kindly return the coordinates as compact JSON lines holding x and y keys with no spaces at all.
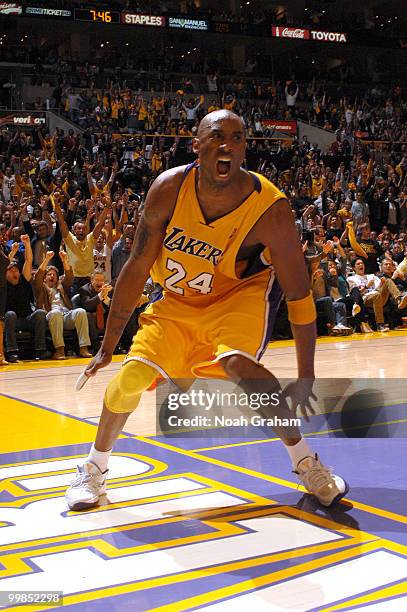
{"x":305,"y":34}
{"x":286,"y":32}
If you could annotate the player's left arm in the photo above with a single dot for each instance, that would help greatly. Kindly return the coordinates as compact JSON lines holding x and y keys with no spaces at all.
{"x":276,"y":230}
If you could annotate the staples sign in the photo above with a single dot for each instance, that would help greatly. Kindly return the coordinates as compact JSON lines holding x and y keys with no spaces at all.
{"x":322,"y":36}
{"x":283,"y":32}
{"x":143,"y":20}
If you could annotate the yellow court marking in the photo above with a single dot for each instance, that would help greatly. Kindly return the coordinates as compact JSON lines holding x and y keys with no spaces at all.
{"x":261,"y":581}
{"x":221,"y":520}
{"x":355,"y":546}
{"x":29,"y":427}
{"x":24,"y":497}
{"x":305,"y":435}
{"x":233,"y":444}
{"x":393,"y":516}
{"x":384,"y":593}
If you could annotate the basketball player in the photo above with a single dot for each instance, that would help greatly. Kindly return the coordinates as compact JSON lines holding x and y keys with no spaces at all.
{"x":203,"y":234}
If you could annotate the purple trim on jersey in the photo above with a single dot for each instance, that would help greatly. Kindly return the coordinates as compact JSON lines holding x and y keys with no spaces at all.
{"x":256,"y":181}
{"x":189,"y":167}
{"x":274,"y":299}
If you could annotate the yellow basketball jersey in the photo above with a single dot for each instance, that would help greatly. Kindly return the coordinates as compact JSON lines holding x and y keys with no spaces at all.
{"x":197,"y":261}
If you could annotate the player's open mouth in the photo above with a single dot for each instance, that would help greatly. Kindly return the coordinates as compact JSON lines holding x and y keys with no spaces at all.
{"x":223,"y":167}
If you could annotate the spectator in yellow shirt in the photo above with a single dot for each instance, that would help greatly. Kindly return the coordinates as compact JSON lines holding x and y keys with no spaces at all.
{"x":346,"y":212}
{"x":79,"y":245}
{"x":156,"y":162}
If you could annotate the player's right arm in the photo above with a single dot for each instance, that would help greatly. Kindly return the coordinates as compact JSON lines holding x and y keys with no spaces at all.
{"x":148,"y":240}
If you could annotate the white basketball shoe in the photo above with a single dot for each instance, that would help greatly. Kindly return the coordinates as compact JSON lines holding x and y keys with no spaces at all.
{"x":89,"y":484}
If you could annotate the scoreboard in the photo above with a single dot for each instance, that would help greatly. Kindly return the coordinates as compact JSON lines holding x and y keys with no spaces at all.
{"x":105,"y":16}
{"x":96,"y":16}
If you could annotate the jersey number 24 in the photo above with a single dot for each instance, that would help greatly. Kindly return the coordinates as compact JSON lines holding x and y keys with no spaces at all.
{"x":201,"y":283}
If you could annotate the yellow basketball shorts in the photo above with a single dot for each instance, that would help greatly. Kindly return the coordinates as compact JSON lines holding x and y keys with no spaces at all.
{"x":181,"y":340}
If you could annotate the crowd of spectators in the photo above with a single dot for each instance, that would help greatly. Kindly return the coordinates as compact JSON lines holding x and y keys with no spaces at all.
{"x":379,"y":113}
{"x":70,"y":205}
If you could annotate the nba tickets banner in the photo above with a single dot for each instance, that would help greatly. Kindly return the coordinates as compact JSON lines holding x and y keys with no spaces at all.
{"x":47,"y":12}
{"x":22,"y":118}
{"x":10,"y":8}
{"x":143,"y":20}
{"x":305,"y":34}
{"x":188,"y":24}
{"x":280,"y":126}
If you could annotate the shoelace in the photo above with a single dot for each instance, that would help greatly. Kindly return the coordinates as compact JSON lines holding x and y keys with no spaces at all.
{"x":318,"y":475}
{"x":82,"y":479}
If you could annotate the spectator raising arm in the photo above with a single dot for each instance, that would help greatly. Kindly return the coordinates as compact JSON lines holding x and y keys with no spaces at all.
{"x":13,"y":251}
{"x":28,"y":258}
{"x":353,"y":241}
{"x":103,"y":216}
{"x":56,"y":201}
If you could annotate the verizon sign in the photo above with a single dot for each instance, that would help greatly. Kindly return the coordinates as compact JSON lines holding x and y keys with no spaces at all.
{"x":322,"y":36}
{"x":283,"y":32}
{"x":281,"y":126}
{"x":143,"y":20}
{"x":22,"y":118}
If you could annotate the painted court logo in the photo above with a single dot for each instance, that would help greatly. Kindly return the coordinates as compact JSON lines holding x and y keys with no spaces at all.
{"x":179,"y":531}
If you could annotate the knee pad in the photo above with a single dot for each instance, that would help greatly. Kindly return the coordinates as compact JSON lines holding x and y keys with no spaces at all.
{"x":124,"y":390}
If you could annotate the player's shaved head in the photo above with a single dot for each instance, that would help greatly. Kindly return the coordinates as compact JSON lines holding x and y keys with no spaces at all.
{"x":211,"y":119}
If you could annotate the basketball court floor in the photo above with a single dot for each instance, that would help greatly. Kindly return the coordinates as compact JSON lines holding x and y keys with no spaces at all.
{"x":207,"y":521}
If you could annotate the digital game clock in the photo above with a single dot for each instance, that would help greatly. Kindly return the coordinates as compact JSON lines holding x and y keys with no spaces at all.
{"x":97,"y":16}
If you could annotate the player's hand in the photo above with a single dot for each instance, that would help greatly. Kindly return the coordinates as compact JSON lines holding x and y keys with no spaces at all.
{"x":300,"y":393}
{"x":99,"y":361}
{"x":25,"y":239}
